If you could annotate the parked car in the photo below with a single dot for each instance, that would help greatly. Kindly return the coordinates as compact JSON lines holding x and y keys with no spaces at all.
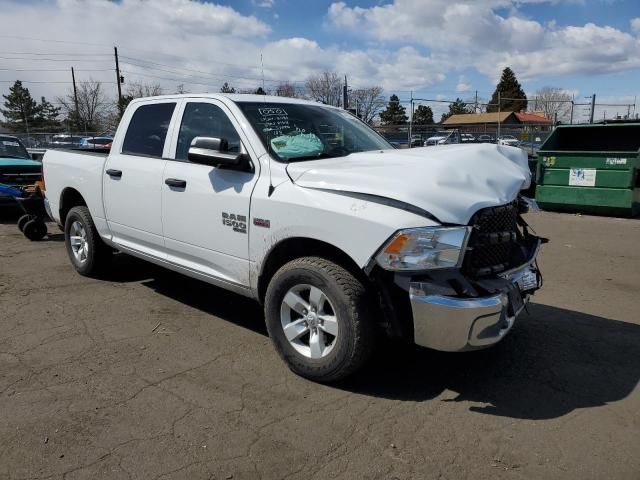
{"x":416,"y":141}
{"x":508,"y":140}
{"x":17,"y":169}
{"x":96,"y":142}
{"x":467,"y":138}
{"x":486,"y":138}
{"x":339,"y":238}
{"x":443,"y":138}
{"x":64,"y":140}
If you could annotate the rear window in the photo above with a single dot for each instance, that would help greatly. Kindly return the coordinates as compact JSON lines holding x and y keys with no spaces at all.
{"x":148,"y":130}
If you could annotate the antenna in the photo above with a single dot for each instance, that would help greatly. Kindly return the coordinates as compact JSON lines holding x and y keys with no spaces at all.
{"x":262,"y":66}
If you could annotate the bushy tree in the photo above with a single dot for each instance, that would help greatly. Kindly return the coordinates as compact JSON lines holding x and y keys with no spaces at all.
{"x":423,"y":115}
{"x":260,"y":91}
{"x":395,"y":113}
{"x":47,"y":117}
{"x":512,"y":96}
{"x":20,"y":110}
{"x":226,"y":88}
{"x":456,"y":108}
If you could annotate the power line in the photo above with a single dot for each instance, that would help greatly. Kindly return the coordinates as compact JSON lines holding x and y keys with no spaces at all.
{"x":45,"y":81}
{"x":48,"y":40}
{"x":53,"y":70}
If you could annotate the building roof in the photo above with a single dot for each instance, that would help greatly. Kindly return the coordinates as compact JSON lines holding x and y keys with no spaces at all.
{"x":533,"y":118}
{"x":495,"y":117}
{"x":470,"y":118}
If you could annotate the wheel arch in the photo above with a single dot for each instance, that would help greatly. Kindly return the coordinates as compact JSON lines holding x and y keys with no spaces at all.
{"x":69,"y":198}
{"x":295,"y":247}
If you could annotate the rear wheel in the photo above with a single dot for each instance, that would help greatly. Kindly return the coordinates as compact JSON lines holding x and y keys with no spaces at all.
{"x":318,"y":319}
{"x":85,"y":248}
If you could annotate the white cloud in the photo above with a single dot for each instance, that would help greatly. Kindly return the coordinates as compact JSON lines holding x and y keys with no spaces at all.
{"x":198,"y":44}
{"x":264,"y":3}
{"x":472,"y":33}
{"x":463,"y":85}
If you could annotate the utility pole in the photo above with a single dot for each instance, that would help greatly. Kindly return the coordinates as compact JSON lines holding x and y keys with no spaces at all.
{"x":571,"y":118}
{"x":499,"y":102}
{"x":345,"y":98}
{"x":75,"y":97}
{"x":118,"y":78}
{"x":475,"y":108}
{"x":411,"y":122}
{"x":593,"y":107}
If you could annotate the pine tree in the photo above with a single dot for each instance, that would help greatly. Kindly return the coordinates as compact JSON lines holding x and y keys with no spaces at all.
{"x":260,"y":91}
{"x":509,"y":88}
{"x":423,"y":115}
{"x":47,"y":116}
{"x":20,"y":110}
{"x":455,"y":108}
{"x":226,"y":88}
{"x":394,"y":114}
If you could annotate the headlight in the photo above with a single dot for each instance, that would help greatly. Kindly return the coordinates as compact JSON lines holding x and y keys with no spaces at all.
{"x":424,"y":249}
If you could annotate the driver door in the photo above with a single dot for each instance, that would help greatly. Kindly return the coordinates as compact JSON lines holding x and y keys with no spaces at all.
{"x":205,"y":218}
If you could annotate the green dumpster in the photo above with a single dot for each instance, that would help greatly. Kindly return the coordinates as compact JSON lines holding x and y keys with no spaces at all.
{"x":591,"y":169}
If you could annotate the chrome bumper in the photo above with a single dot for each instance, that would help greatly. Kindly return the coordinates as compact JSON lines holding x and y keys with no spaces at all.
{"x":455,"y":324}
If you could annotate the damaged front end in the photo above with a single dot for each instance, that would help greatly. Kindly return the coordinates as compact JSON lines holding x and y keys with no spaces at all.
{"x":475,"y":305}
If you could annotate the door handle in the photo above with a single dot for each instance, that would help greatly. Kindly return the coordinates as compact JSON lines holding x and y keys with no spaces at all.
{"x":175,"y":182}
{"x":114,"y":173}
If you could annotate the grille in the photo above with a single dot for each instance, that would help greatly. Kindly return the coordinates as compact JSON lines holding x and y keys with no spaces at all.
{"x":492,"y":240}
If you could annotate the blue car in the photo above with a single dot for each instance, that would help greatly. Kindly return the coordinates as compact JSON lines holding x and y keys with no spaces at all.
{"x":17,"y":169}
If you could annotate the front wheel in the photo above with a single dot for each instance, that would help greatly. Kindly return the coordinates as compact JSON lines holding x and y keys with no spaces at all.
{"x":318,"y":318}
{"x":86,"y":250}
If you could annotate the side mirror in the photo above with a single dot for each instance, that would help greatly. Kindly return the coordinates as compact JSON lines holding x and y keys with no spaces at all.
{"x":213,"y":151}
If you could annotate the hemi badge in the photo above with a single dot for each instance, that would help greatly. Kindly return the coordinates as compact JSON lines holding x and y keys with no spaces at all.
{"x":261,"y":222}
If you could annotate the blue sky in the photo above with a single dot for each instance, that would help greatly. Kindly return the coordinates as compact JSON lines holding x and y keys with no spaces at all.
{"x":308,"y":19}
{"x":437,"y":48}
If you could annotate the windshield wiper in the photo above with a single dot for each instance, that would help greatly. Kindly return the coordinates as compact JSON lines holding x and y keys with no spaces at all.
{"x":314,"y":157}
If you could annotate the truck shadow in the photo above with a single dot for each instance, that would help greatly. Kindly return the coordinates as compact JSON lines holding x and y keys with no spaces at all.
{"x":553,"y":362}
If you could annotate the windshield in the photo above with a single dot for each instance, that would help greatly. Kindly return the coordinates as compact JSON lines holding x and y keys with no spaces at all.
{"x":11,"y":147}
{"x":296,"y":132}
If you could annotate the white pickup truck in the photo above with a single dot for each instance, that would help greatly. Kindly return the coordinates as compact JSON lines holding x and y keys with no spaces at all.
{"x":306,"y":209}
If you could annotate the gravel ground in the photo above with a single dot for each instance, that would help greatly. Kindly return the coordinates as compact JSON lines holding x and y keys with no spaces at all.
{"x":148,"y":374}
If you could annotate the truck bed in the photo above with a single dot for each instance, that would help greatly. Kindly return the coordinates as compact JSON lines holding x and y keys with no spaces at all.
{"x":66,"y":170}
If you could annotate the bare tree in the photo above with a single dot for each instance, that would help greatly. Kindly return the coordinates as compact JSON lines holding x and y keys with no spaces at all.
{"x":367,"y":102}
{"x":180,"y":89}
{"x":94,"y":107}
{"x":287,"y":89}
{"x":139,"y":90}
{"x":553,"y":101}
{"x":325,"y":87}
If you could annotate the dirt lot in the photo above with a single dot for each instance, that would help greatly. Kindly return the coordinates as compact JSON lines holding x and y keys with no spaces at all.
{"x":149,"y":374}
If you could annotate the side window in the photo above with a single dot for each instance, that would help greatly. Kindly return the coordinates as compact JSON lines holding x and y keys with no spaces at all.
{"x":205,"y":120}
{"x":148,"y":129}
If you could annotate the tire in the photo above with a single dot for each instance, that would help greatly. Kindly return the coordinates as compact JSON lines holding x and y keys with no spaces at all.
{"x":23,"y":220}
{"x":328,"y":357}
{"x":34,"y":229}
{"x":88,"y":253}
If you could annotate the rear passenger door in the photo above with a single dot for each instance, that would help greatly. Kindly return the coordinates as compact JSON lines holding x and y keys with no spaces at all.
{"x":133,"y":179}
{"x":205,"y":221}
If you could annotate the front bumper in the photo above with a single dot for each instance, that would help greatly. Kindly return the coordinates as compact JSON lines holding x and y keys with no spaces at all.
{"x":454,"y":324}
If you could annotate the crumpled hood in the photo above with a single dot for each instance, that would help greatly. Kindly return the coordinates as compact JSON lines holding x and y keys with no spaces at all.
{"x":450,"y":182}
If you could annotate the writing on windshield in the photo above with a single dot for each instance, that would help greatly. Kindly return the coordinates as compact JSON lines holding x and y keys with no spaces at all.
{"x":295,"y":132}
